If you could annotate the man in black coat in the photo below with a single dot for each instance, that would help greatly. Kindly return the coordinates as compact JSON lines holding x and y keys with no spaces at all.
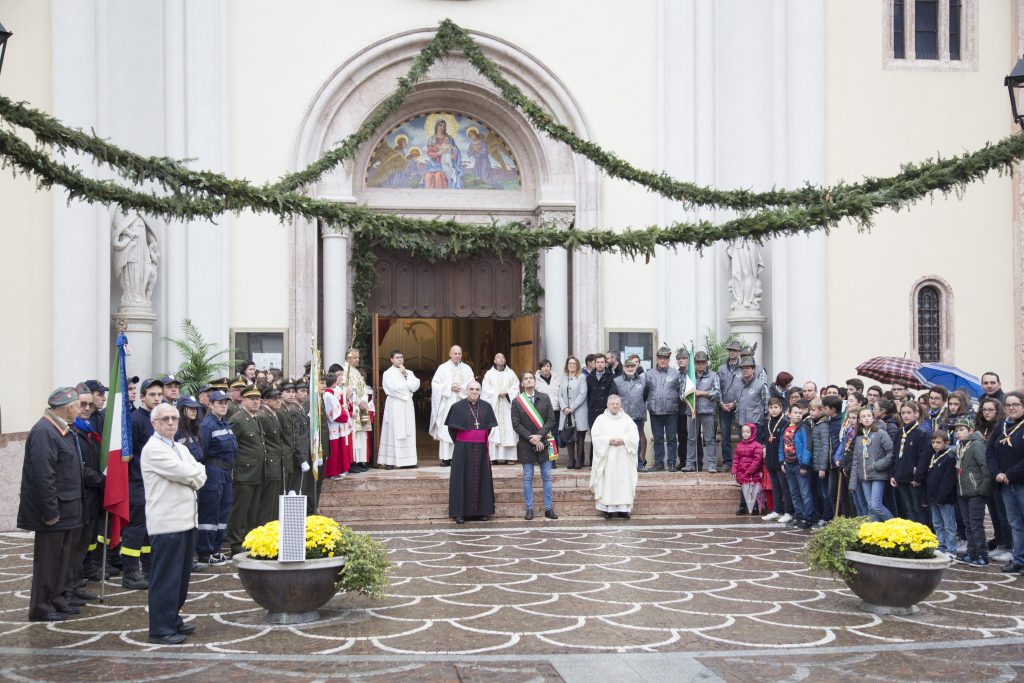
{"x":87,"y":443}
{"x":533,"y":419}
{"x":600,"y":385}
{"x":51,"y":504}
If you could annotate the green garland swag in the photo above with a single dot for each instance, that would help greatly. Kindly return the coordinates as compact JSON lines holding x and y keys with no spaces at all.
{"x":188,"y":194}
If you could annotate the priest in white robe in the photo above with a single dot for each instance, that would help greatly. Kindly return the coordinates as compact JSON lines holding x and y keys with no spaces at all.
{"x":398,"y":429}
{"x":500,"y":387}
{"x":447,"y":388}
{"x":613,"y":474}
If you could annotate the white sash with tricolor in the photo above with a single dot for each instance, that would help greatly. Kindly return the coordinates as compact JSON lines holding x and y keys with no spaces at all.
{"x":531,"y":411}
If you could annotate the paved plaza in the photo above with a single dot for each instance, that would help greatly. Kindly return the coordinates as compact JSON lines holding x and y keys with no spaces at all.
{"x":569,"y":600}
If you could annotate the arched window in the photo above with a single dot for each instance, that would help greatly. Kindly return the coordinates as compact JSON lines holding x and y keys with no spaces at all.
{"x":932,"y":327}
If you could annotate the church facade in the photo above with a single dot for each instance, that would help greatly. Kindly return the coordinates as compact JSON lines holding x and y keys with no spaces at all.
{"x":735,"y":93}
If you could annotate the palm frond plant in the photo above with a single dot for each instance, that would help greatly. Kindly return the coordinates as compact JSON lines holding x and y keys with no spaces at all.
{"x":717,"y":353}
{"x":200,"y":357}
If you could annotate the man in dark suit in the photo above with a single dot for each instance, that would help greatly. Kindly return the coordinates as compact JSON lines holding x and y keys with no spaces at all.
{"x":600,"y":385}
{"x":533,"y":419}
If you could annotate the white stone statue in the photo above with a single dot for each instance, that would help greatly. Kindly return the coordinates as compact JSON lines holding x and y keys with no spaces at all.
{"x":746,"y":265}
{"x":136,"y":257}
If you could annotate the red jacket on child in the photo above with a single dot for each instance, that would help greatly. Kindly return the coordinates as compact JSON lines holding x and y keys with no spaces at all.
{"x":747,"y":458}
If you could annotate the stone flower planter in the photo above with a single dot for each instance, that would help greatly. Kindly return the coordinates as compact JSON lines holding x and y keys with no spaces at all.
{"x":291,"y":592}
{"x":890,"y":585}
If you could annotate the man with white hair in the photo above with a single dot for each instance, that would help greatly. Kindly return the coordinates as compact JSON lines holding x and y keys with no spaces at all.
{"x":499,"y":388}
{"x":171,"y":477}
{"x":447,"y":388}
{"x":613,"y":474}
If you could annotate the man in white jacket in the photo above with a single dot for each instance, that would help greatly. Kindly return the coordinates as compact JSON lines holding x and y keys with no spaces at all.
{"x":171,"y":477}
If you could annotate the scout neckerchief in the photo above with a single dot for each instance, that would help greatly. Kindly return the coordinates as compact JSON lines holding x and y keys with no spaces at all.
{"x":936,"y":457}
{"x":1006,"y":436}
{"x":903,"y":438}
{"x":526,"y":403}
{"x":937,"y":416}
{"x":771,"y":429}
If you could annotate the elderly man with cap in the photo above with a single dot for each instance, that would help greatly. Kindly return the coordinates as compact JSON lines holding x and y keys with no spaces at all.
{"x":273,"y":440}
{"x":87,"y":443}
{"x":51,"y":504}
{"x":753,"y":395}
{"x":702,"y":425}
{"x":134,"y":539}
{"x":172,"y":477}
{"x":631,"y":387}
{"x":729,"y":381}
{"x":663,"y":404}
{"x":219,"y":446}
{"x":249,"y":469}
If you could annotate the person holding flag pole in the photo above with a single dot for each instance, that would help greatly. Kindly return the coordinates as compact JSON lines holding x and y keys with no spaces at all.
{"x":700,"y":392}
{"x":318,"y":434}
{"x":115,"y":452}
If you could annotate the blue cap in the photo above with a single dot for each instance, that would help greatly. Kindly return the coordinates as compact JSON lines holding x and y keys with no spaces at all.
{"x":218,"y":395}
{"x":169,"y":379}
{"x":187,"y":402}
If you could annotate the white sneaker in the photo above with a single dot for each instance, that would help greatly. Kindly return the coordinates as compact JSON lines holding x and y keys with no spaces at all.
{"x":786,"y":518}
{"x":1000,"y":556}
{"x":219,"y":560}
{"x":771,"y":517}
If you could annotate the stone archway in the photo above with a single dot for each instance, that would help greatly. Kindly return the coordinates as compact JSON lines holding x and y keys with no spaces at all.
{"x":558,"y":187}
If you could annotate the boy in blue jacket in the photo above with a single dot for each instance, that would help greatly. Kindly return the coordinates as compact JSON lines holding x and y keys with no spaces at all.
{"x":795,"y":458}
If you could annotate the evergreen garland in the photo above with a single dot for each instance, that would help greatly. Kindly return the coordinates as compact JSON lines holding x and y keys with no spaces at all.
{"x":187,"y":194}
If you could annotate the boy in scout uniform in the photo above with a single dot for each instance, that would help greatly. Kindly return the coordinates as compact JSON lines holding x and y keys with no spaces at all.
{"x":248,"y":472}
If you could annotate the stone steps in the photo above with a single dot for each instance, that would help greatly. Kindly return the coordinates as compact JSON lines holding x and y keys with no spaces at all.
{"x":422,"y":495}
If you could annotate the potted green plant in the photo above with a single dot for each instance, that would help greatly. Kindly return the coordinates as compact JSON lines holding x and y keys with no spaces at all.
{"x":891,"y":566}
{"x":337,"y":558}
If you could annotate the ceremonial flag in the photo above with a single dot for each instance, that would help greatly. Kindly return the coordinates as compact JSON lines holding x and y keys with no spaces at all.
{"x":690,"y":386}
{"x":116,"y":447}
{"x":316,"y":453}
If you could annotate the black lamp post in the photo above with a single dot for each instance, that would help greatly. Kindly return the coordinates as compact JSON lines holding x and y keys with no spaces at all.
{"x":4,"y":35}
{"x":1013,"y":83}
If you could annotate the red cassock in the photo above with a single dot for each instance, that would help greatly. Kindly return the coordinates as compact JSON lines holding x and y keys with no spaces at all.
{"x":340,"y":459}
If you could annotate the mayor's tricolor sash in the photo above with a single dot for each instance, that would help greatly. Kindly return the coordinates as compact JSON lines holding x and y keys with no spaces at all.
{"x":531,"y":411}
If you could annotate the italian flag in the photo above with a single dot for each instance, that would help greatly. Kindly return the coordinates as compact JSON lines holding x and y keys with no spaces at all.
{"x":690,"y":386}
{"x":116,"y":447}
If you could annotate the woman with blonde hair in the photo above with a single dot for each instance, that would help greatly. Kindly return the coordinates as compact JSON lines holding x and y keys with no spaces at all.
{"x":572,"y":397}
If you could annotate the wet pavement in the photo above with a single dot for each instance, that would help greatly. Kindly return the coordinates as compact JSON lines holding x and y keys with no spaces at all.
{"x":565,"y":600}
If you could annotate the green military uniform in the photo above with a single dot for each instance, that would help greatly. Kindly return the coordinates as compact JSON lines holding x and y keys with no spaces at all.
{"x":290,"y":461}
{"x":300,"y":434}
{"x":247,"y":479}
{"x":272,"y":476}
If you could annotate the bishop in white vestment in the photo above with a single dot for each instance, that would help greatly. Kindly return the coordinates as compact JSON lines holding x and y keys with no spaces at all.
{"x":358,"y":398}
{"x":500,"y":387}
{"x":398,"y":429}
{"x":447,"y":388}
{"x":613,"y":474}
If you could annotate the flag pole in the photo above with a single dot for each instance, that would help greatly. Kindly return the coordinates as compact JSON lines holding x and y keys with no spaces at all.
{"x":106,"y":547}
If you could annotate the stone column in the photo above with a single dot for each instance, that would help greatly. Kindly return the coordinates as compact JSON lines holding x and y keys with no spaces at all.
{"x":555,"y":304}
{"x":138,"y":322}
{"x":335,"y":294}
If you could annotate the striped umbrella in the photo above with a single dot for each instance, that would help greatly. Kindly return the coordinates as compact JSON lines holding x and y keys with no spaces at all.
{"x":889,"y":369}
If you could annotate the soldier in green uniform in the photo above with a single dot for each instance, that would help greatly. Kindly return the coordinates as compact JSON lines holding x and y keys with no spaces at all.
{"x":291,"y":458}
{"x":273,"y":476}
{"x":247,"y":473}
{"x":235,"y":390}
{"x":300,"y":437}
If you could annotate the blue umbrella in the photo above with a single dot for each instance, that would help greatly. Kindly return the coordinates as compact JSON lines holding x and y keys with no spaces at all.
{"x":948,"y":376}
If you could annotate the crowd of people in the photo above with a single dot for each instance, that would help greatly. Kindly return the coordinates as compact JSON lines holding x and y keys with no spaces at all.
{"x":207,"y":469}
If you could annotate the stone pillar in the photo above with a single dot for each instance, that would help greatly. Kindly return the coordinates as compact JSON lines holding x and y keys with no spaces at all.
{"x":138,"y":322}
{"x":335,"y":294}
{"x":555,"y":304}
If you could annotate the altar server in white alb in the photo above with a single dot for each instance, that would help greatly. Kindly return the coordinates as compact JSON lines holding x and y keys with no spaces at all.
{"x":398,"y":429}
{"x":500,"y":387}
{"x":447,"y":388}
{"x":613,"y":474}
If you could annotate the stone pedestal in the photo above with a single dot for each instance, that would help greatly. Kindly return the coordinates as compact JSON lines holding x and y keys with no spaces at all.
{"x":139,"y":330}
{"x":748,"y":326}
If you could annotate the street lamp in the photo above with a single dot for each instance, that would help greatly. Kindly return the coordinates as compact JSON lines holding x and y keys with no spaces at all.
{"x":1013,"y":83}
{"x":4,"y":35}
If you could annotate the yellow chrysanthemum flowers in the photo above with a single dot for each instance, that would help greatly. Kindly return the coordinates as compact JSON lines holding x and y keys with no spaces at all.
{"x":897,"y":538}
{"x":323,"y":535}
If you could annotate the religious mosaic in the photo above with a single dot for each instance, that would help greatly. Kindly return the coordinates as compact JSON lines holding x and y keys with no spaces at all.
{"x":442,"y":150}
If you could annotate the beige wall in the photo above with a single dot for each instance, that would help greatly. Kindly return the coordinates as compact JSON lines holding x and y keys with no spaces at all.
{"x":25,"y":232}
{"x":876,"y":119}
{"x":271,"y":88}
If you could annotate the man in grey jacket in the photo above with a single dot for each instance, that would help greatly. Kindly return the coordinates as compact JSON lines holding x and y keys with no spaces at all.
{"x":729,"y":381}
{"x":632,"y":390}
{"x":708,"y":396}
{"x":663,"y":404}
{"x":752,"y":398}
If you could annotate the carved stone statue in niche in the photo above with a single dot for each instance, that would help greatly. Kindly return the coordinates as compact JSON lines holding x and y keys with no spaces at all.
{"x":745,"y":267}
{"x":136,"y":257}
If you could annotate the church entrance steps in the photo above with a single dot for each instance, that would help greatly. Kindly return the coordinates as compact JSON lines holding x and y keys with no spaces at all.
{"x":422,"y":495}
